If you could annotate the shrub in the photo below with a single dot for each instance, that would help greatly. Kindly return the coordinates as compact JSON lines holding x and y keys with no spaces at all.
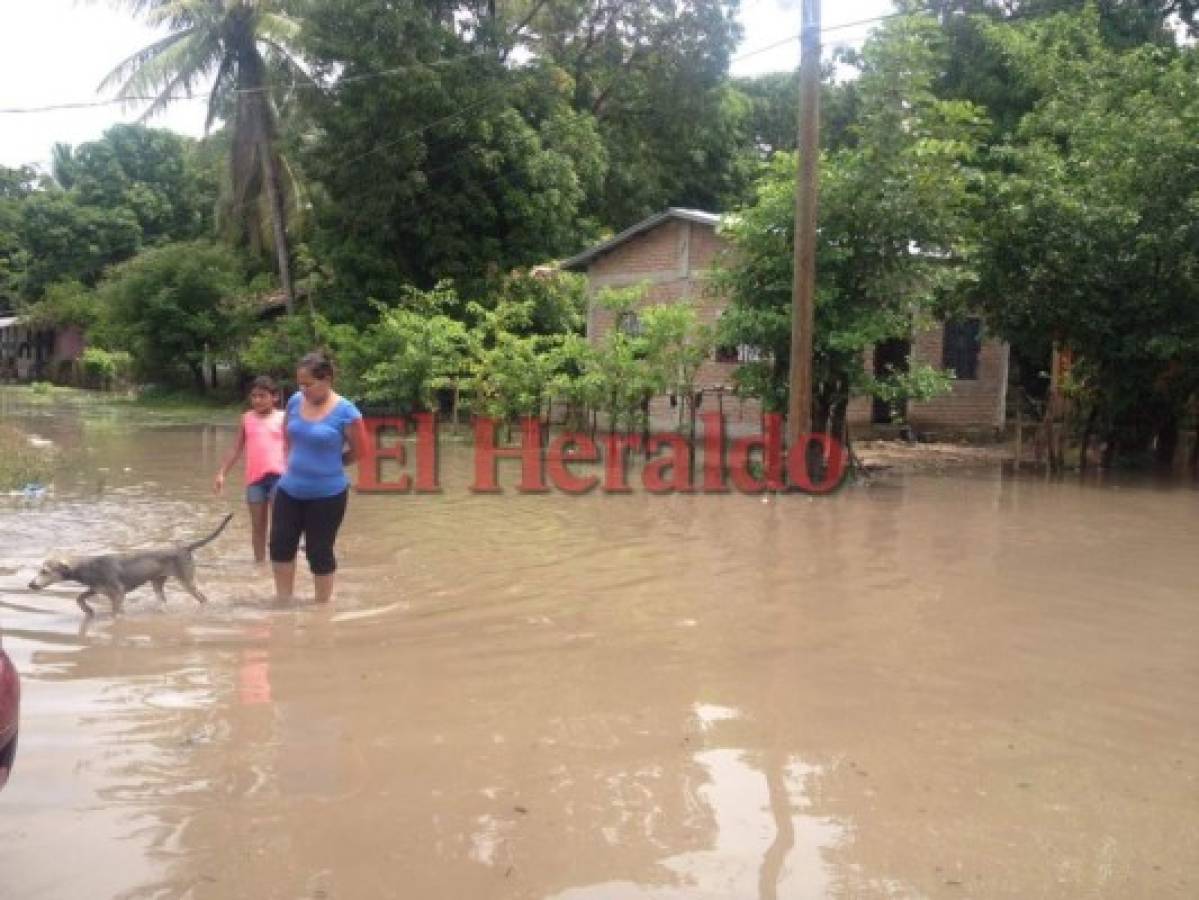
{"x":106,"y":369}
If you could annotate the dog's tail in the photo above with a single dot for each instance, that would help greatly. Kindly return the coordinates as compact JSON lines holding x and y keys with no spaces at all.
{"x":212,"y":537}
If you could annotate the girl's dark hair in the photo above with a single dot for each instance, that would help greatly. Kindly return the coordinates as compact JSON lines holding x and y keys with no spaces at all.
{"x":264,"y":383}
{"x":318,"y":364}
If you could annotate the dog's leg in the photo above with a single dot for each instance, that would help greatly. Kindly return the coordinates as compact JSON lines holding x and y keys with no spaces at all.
{"x":83,"y":604}
{"x":117,"y":596}
{"x":157,"y":584}
{"x":190,"y":587}
{"x":185,"y":571}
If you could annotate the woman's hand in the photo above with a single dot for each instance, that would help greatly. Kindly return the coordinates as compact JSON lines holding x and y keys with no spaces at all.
{"x":218,"y":483}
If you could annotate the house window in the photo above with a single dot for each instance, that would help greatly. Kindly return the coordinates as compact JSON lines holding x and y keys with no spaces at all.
{"x":741,"y":353}
{"x":959,"y":347}
{"x":629,"y":323}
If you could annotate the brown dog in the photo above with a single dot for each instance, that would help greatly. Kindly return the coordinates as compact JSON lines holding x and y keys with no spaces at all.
{"x":115,"y":574}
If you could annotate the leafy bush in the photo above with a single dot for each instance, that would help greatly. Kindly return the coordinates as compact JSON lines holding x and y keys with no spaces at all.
{"x":175,"y":307}
{"x":106,"y":369}
{"x":274,"y":349}
{"x":65,"y":303}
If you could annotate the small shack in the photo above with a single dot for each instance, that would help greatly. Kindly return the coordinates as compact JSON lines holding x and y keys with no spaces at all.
{"x":29,"y":353}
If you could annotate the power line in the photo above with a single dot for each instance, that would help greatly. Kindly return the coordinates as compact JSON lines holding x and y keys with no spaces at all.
{"x":385,"y":73}
{"x":401,"y":70}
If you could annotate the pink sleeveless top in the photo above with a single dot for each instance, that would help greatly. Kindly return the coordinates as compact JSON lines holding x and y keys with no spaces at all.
{"x":264,"y":445}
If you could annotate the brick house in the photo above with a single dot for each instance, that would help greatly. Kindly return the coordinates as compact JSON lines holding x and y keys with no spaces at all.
{"x":674,"y":252}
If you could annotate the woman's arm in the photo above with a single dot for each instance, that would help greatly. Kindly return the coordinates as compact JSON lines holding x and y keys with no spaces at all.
{"x":356,"y":436}
{"x":286,"y":440}
{"x":218,"y":483}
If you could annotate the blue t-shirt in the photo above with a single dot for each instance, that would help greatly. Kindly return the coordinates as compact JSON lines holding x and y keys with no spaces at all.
{"x":314,"y":467}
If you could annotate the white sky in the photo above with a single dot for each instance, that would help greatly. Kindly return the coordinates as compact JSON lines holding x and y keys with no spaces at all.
{"x":57,"y":51}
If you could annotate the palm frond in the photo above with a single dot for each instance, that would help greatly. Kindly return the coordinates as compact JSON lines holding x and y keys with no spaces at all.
{"x":181,"y":65}
{"x":182,"y":13}
{"x":221,"y":86}
{"x":291,"y":65}
{"x":135,"y":61}
{"x":294,"y":189}
{"x":279,"y":28}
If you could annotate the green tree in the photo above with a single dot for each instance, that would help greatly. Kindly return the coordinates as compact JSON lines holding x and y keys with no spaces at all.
{"x":977,"y":70}
{"x":676,"y":345}
{"x":434,"y":159}
{"x":895,"y":203}
{"x":63,"y":239}
{"x":163,"y":178}
{"x":242,"y":43}
{"x":174,"y":307}
{"x":413,"y":351}
{"x":15,"y":186}
{"x":654,"y":77}
{"x":1090,"y":235}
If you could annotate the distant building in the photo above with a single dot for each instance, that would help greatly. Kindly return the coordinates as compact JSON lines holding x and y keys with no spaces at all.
{"x":37,"y":354}
{"x":674,"y":252}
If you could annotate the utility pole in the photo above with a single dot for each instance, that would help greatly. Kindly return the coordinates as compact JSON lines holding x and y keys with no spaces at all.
{"x":803,"y":293}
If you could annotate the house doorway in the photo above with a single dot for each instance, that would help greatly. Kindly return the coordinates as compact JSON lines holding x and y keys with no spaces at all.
{"x":890,"y":356}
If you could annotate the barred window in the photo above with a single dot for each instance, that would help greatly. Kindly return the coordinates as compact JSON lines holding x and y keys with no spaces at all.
{"x":741,"y":353}
{"x":629,"y":323}
{"x":960,"y":347}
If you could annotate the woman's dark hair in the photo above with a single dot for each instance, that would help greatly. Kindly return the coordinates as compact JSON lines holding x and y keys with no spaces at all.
{"x":318,"y":364}
{"x":264,"y":383}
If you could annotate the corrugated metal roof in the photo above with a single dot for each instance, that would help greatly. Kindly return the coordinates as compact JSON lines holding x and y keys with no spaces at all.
{"x":674,"y":212}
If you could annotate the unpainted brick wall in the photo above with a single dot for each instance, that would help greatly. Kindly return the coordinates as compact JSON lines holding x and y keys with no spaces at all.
{"x":674,"y":260}
{"x":971,"y":405}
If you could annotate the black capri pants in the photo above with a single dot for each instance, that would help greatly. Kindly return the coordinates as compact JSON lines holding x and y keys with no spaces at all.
{"x":317,"y":520}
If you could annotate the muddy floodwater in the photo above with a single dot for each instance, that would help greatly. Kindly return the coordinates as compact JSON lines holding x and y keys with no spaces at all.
{"x":954,"y":685}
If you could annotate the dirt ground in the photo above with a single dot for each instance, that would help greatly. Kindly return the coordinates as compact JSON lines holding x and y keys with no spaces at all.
{"x":906,"y":456}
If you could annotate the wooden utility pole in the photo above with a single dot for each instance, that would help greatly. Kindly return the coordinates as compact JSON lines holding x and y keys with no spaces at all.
{"x":799,"y":411}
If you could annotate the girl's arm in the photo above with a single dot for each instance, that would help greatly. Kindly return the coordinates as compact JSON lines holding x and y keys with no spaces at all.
{"x":218,"y":483}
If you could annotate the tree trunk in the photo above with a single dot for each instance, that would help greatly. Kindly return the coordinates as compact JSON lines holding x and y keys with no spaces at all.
{"x":1109,"y":450}
{"x":1167,"y":441}
{"x":1087,"y":431}
{"x":252,"y":81}
{"x":278,"y":222}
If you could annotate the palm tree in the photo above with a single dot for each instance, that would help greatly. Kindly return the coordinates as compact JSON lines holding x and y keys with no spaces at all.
{"x":241,"y":41}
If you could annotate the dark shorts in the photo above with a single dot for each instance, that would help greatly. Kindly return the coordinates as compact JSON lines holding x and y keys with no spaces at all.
{"x":260,"y":491}
{"x":316,"y":520}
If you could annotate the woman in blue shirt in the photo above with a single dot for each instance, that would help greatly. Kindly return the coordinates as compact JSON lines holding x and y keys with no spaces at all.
{"x":310,"y":498}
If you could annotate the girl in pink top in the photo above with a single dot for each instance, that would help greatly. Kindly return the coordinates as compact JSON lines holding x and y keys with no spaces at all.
{"x":261,"y":435}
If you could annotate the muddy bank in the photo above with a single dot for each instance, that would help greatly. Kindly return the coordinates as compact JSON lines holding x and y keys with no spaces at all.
{"x":962,"y":686}
{"x":898,"y":457}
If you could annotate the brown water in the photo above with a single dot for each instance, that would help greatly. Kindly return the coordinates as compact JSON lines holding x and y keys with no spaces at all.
{"x":961,"y":686}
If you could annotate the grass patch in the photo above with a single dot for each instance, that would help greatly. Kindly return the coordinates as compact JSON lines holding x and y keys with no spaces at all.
{"x":176,"y":400}
{"x":21,"y":463}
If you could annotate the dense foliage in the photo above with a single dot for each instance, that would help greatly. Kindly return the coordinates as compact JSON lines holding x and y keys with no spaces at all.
{"x":1029,"y":161}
